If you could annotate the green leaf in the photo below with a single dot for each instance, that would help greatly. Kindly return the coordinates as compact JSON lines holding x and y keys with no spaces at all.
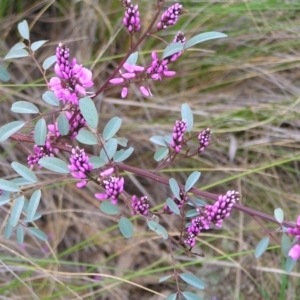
{"x":16,"y":211}
{"x":285,"y":245}
{"x":17,"y":53}
{"x":202,"y":37}
{"x":172,"y":297}
{"x":160,"y":230}
{"x":164,"y":278}
{"x":89,"y":111}
{"x":9,"y":129}
{"x":132,"y":59}
{"x":4,"y":75}
{"x":8,"y":230}
{"x":158,"y":140}
{"x":187,"y":115}
{"x":109,"y":208}
{"x":24,"y":107}
{"x":109,"y":149}
{"x":174,"y":187}
{"x":261,"y":247}
{"x":54,"y":164}
{"x":192,"y":179}
{"x":191,"y":296}
{"x":36,"y":45}
{"x":126,"y":227}
{"x":8,"y":186}
{"x":63,"y":124}
{"x":86,"y":137}
{"x":20,"y":234}
{"x":48,"y":62}
{"x":121,"y":155}
{"x":192,"y":213}
{"x":38,"y":233}
{"x":173,"y":206}
{"x":97,"y":162}
{"x":24,"y":30}
{"x":50,"y":98}
{"x":40,"y":132}
{"x":111,"y":128}
{"x":33,"y":205}
{"x":161,"y":153}
{"x":279,"y":215}
{"x":193,"y":280}
{"x":24,"y":172}
{"x":172,"y":49}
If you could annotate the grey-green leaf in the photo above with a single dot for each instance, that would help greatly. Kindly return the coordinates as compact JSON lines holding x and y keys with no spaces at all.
{"x":17,"y":53}
{"x":198,"y":202}
{"x":8,"y":186}
{"x":54,"y":164}
{"x":173,"y":206}
{"x":193,"y":280}
{"x":160,"y":230}
{"x":33,"y":205}
{"x":89,"y":111}
{"x":290,"y":264}
{"x":16,"y":211}
{"x":48,"y":62}
{"x":172,"y":49}
{"x":4,"y":75}
{"x":158,"y":140}
{"x":192,"y":179}
{"x":121,"y":155}
{"x":24,"y":172}
{"x":38,"y":44}
{"x":86,"y":137}
{"x":190,"y":296}
{"x":285,"y":245}
{"x":24,"y":107}
{"x":126,"y":227}
{"x":38,"y":233}
{"x":174,"y":187}
{"x":109,"y":149}
{"x":18,"y":46}
{"x":4,"y":198}
{"x":132,"y":59}
{"x":40,"y":132}
{"x":24,"y":30}
{"x":187,"y":115}
{"x":279,"y":215}
{"x":202,"y":37}
{"x":192,"y":213}
{"x":97,"y":162}
{"x":50,"y":98}
{"x":261,"y":247}
{"x":122,"y":141}
{"x":109,"y":208}
{"x":8,"y":230}
{"x":172,"y":297}
{"x":9,"y":129}
{"x":63,"y":124}
{"x":111,"y":128}
{"x":161,"y":153}
{"x":164,"y":278}
{"x":20,"y":234}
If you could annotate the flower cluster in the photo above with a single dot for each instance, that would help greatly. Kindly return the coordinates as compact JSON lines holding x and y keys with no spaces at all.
{"x":80,"y":167}
{"x":214,"y":214}
{"x":113,"y":188}
{"x":180,"y":202}
{"x":72,"y":78}
{"x":179,"y":38}
{"x":204,"y":139}
{"x":170,"y":16}
{"x":294,"y":252}
{"x":132,"y":16}
{"x":140,"y":206}
{"x":177,"y":136}
{"x":41,"y":151}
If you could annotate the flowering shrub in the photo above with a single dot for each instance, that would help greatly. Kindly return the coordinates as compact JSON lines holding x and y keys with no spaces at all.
{"x":74,"y":118}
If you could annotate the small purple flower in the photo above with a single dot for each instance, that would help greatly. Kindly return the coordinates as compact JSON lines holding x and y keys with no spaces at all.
{"x":178,"y":132}
{"x":179,"y":38}
{"x":72,"y":78}
{"x":114,"y":187}
{"x":295,"y":231}
{"x":131,"y":17}
{"x":170,"y":16}
{"x":180,"y":202}
{"x":294,"y":252}
{"x":41,"y":151}
{"x":140,"y":206}
{"x":80,"y":167}
{"x":204,"y":139}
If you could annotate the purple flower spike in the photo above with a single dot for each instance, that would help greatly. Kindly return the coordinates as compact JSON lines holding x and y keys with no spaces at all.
{"x":41,"y":151}
{"x":131,"y":17}
{"x":204,"y":139}
{"x":179,"y":38}
{"x":140,"y":207}
{"x":170,"y":16}
{"x":114,"y":187}
{"x":178,"y":132}
{"x":80,"y":167}
{"x":294,"y":252}
{"x":295,"y":231}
